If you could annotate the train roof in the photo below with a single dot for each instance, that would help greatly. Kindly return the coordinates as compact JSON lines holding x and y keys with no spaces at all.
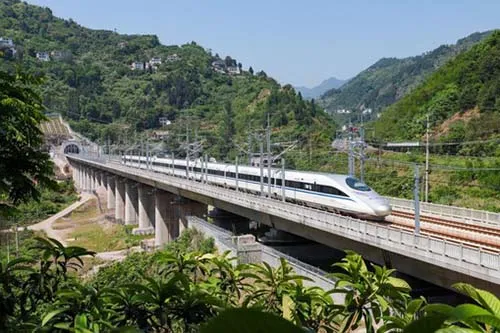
{"x":334,"y":176}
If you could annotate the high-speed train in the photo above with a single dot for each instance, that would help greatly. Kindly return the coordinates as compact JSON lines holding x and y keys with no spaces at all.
{"x":331,"y":192}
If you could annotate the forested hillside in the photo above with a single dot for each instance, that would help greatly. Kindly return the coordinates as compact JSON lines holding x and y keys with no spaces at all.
{"x":462,"y":100}
{"x":90,"y":81}
{"x":389,"y":79}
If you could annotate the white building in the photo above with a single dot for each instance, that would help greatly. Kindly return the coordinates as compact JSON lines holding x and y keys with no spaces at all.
{"x":164,"y":121}
{"x":173,"y":57}
{"x":342,"y":111}
{"x":233,"y":70}
{"x":155,"y":61}
{"x":43,"y":56}
{"x":137,"y":65}
{"x":6,"y":42}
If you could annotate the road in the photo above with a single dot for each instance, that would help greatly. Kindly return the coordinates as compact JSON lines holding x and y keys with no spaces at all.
{"x":46,"y":225}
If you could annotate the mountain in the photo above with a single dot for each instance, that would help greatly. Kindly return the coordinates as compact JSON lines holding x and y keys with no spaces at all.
{"x":389,"y":79}
{"x":117,"y":88}
{"x":315,"y":92}
{"x":462,"y":100}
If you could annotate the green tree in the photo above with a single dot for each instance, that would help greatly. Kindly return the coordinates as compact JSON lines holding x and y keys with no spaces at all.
{"x":369,"y":295}
{"x":23,"y":163}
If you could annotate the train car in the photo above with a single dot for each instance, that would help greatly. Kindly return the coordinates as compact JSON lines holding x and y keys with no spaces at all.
{"x":331,"y":192}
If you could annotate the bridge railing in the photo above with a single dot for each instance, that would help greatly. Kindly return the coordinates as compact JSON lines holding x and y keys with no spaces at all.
{"x":466,"y":215}
{"x":455,"y":255}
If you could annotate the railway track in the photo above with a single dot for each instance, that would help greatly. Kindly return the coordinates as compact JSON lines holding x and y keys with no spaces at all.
{"x":452,"y":224}
{"x":488,"y":238}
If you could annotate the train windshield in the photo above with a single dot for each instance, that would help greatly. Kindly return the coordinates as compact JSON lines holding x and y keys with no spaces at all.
{"x":357,"y":184}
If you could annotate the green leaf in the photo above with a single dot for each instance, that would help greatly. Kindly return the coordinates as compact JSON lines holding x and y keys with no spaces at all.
{"x":398,"y":283}
{"x":51,"y":315}
{"x":383,"y":303}
{"x":457,"y":329}
{"x":443,"y":309}
{"x":490,"y":301}
{"x":248,"y":321}
{"x":426,"y":324}
{"x":464,"y":312}
{"x":488,"y":320}
{"x":415,"y":305}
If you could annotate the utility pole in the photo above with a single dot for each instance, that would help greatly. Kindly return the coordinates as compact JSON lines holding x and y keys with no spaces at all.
{"x":249,"y":149}
{"x":283,"y":193}
{"x":187,"y":150}
{"x":147,"y":154}
{"x":362,"y":151}
{"x":142,"y":152}
{"x":173,"y":167}
{"x":427,"y":161}
{"x":350,"y":158}
{"x":261,"y":165}
{"x":206,"y":168}
{"x":417,"y":201}
{"x":269,"y":158}
{"x":17,"y":241}
{"x":236,"y":166}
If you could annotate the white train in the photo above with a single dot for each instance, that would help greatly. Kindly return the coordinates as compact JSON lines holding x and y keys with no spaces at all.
{"x":331,"y":192}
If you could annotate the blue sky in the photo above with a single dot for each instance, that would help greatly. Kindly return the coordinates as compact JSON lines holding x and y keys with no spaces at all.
{"x":298,"y":42}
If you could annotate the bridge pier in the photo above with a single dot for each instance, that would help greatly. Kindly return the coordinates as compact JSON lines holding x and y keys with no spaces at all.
{"x":110,"y":186}
{"x":189,"y":207}
{"x":119,"y":200}
{"x":146,"y":210}
{"x":88,"y":180}
{"x":130,"y":203}
{"x":166,"y":223}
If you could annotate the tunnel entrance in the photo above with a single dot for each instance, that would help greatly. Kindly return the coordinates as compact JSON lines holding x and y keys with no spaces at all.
{"x":72,"y":149}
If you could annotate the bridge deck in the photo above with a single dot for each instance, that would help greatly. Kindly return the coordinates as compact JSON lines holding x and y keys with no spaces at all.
{"x":452,"y":256}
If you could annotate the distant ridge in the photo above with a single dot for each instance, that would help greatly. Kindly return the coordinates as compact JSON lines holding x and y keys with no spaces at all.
{"x":315,"y":92}
{"x":389,"y":79}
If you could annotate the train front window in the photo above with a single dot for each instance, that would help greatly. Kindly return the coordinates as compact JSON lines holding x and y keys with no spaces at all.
{"x":357,"y":184}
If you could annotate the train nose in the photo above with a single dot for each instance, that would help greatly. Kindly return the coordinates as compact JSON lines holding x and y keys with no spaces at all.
{"x":383,"y":210}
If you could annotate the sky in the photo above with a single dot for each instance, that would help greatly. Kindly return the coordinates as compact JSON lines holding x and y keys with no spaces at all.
{"x":297,"y":42}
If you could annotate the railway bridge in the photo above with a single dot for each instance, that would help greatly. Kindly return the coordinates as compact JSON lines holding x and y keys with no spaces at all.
{"x":160,"y":203}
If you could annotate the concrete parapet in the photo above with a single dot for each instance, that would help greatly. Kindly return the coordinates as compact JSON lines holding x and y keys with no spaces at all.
{"x":143,"y":231}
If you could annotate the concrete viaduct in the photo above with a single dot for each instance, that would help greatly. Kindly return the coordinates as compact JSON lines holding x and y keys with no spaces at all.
{"x":159,"y":203}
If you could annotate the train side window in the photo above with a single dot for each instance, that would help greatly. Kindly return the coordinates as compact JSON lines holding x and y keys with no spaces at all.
{"x":308,"y":186}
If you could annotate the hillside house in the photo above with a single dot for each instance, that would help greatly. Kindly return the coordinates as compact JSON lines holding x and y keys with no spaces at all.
{"x":219,"y":66}
{"x":233,"y":70}
{"x":137,"y":65}
{"x":122,"y":45}
{"x":159,"y":135}
{"x":343,"y":111}
{"x":6,"y":42}
{"x":173,"y":57}
{"x":155,"y":61}
{"x":164,"y":121}
{"x":60,"y":55}
{"x":43,"y":56}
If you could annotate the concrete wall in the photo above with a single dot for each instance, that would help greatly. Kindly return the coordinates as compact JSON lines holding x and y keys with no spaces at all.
{"x":248,"y":251}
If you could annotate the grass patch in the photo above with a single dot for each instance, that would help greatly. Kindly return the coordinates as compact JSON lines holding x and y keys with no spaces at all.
{"x":105,"y":237}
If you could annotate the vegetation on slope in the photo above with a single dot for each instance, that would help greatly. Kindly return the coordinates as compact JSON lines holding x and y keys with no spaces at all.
{"x":183,"y":290}
{"x":389,"y":79}
{"x":471,"y":80}
{"x":92,"y":84}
